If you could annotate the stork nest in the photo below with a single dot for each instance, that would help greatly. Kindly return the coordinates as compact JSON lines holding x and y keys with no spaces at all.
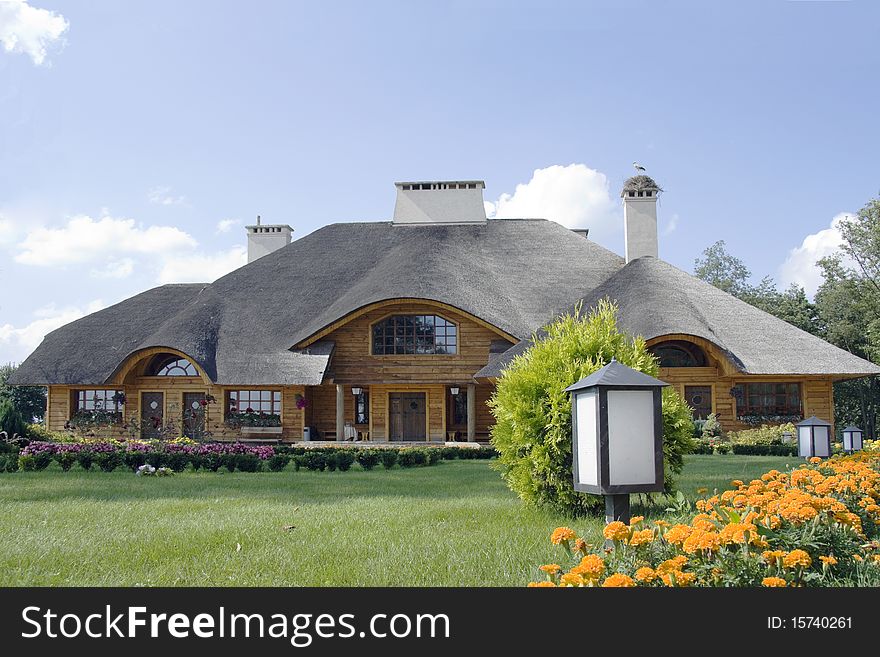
{"x":641,"y":183}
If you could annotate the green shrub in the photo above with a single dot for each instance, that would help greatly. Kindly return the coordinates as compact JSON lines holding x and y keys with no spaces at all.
{"x":12,"y":462}
{"x":711,"y":428}
{"x":248,"y":462}
{"x":177,"y":461}
{"x":721,"y":448}
{"x":449,"y":453}
{"x":389,"y":458}
{"x":314,"y":461}
{"x":108,"y":461}
{"x":278,"y":462}
{"x":196,"y":461}
{"x":368,"y":458}
{"x":532,"y":432}
{"x":40,"y":432}
{"x":702,"y":447}
{"x":787,"y":449}
{"x":331,"y":461}
{"x":134,"y":460}
{"x":766,"y":434}
{"x":229,"y":462}
{"x":213,"y":461}
{"x":26,"y":463}
{"x":412,"y":457}
{"x":65,"y":460}
{"x":434,"y":456}
{"x":11,"y":420}
{"x":85,"y":459}
{"x":344,"y":460}
{"x":157,"y":458}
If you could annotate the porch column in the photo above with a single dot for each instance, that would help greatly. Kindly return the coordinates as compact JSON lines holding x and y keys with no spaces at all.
{"x":340,"y":412}
{"x":472,"y":412}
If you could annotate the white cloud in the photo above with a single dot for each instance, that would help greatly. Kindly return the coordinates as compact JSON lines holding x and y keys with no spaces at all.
{"x":800,"y":265}
{"x":29,"y":30}
{"x":7,"y":230}
{"x":672,"y":225}
{"x":202,"y":268}
{"x":575,"y":196}
{"x":225,"y":225}
{"x":18,"y":342}
{"x":162,"y":195}
{"x":84,"y":239}
{"x":122,"y":268}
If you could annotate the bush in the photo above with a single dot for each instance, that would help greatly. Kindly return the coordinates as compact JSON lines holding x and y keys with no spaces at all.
{"x":711,"y":428}
{"x":85,"y":459}
{"x":532,"y":432}
{"x":157,"y":458}
{"x":134,"y":460}
{"x":787,"y":449}
{"x":389,"y":458}
{"x":248,"y":462}
{"x":411,"y":457}
{"x":65,"y":460}
{"x":177,"y":461}
{"x":108,"y":461}
{"x":314,"y":461}
{"x":449,"y":453}
{"x":330,"y":460}
{"x":213,"y":461}
{"x":766,"y":434}
{"x":229,"y":462}
{"x":278,"y":462}
{"x":11,"y":420}
{"x":344,"y":460}
{"x":368,"y":458}
{"x":434,"y":456}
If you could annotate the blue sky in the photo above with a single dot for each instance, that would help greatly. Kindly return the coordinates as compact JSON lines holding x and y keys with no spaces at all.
{"x":137,"y":138}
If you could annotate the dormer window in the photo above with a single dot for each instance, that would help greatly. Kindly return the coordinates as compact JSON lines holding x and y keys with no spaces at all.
{"x":678,"y":353}
{"x":414,"y":335}
{"x":171,"y":365}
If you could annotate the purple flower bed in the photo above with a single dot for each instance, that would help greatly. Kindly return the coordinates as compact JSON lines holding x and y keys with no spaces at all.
{"x":263,"y":452}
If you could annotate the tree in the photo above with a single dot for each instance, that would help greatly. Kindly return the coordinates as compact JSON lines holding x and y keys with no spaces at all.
{"x":722,"y":270}
{"x":532,"y":432}
{"x":11,"y":420}
{"x":29,"y":401}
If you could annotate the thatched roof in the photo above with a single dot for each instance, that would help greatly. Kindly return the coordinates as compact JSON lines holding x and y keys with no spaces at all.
{"x":658,"y":299}
{"x":514,"y":274}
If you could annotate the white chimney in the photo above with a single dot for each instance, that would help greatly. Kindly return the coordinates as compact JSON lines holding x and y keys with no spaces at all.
{"x":640,"y":217}
{"x":440,"y":202}
{"x":263,"y":239}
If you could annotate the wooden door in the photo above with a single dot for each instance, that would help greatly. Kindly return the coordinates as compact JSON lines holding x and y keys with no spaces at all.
{"x":152,"y":414}
{"x":699,"y":398}
{"x":194,"y":414}
{"x":408,"y":415}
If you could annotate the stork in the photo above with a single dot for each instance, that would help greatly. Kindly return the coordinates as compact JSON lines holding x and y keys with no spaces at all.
{"x":639,"y":168}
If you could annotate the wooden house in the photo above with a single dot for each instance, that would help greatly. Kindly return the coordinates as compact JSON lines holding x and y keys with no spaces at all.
{"x":397,"y":330}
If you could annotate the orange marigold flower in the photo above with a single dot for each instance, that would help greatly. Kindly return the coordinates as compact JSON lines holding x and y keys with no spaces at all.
{"x":635,"y":520}
{"x":561,"y":535}
{"x":571,"y":579}
{"x":858,"y":558}
{"x":618,"y":580}
{"x":678,"y":578}
{"x":642,"y":537}
{"x":797,"y":558}
{"x":580,"y":545}
{"x":773,"y":557}
{"x":773,"y":582}
{"x":736,"y":483}
{"x":551,"y":568}
{"x":661,"y":523}
{"x":646,"y":574}
{"x":591,"y":567}
{"x":702,"y":491}
{"x":828,"y":561}
{"x":676,"y":563}
{"x":616,"y":531}
{"x":541,"y":585}
{"x":815,"y":459}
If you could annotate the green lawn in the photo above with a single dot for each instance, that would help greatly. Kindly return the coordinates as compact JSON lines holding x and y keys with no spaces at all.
{"x":452,"y":524}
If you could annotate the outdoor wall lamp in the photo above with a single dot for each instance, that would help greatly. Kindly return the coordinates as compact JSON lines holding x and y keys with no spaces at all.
{"x":852,"y":439}
{"x":814,"y":438}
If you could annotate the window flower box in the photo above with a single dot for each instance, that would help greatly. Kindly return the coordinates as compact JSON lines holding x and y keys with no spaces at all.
{"x":261,"y":431}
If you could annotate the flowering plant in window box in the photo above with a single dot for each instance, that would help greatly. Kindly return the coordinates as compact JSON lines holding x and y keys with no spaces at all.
{"x":756,"y":419}
{"x":249,"y":419}
{"x":301,"y":402}
{"x":87,"y":420}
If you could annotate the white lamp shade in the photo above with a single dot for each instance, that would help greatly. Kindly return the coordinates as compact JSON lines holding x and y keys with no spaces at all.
{"x":356,"y":390}
{"x":805,"y":442}
{"x":822,"y":441}
{"x":852,"y":439}
{"x":587,"y":436}
{"x":631,"y":451}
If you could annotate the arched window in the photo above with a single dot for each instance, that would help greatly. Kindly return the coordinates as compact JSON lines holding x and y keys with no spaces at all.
{"x":170,"y":365}
{"x":414,"y":334}
{"x":678,"y":353}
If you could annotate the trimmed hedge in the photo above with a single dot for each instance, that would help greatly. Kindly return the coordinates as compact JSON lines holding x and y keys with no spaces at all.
{"x":786,"y":449}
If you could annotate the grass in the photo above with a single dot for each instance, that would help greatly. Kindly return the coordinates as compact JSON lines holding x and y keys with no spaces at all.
{"x":455,"y":524}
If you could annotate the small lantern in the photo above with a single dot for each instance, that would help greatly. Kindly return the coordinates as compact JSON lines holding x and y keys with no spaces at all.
{"x":814,"y":438}
{"x":454,"y":391}
{"x":356,"y":390}
{"x":617,"y":436}
{"x":852,"y":439}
